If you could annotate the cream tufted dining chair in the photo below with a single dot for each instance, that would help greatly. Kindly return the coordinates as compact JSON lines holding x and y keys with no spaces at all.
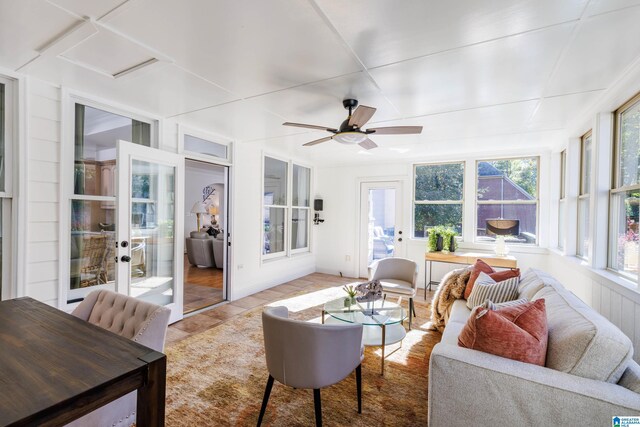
{"x":137,"y":320}
{"x":308,"y":355}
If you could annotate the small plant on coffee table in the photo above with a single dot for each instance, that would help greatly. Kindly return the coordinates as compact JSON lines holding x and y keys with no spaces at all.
{"x":351,"y":295}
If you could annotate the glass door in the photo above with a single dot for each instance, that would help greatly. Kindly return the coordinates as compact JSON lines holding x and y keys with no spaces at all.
{"x":147,"y":249}
{"x":381,"y":234}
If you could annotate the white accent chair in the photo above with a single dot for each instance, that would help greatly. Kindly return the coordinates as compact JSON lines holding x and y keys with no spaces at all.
{"x":140,"y":321}
{"x":399,"y":277}
{"x":309,"y":355}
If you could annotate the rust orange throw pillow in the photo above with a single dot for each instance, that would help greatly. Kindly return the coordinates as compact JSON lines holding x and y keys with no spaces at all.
{"x":517,"y":332}
{"x":482,"y":267}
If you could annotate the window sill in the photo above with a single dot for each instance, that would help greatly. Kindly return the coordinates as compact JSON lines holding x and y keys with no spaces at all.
{"x":514,"y":248}
{"x":604,"y":277}
{"x":284,"y":257}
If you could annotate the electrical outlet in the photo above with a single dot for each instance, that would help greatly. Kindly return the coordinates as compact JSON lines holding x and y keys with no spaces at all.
{"x":240,"y":266}
{"x":347,"y":257}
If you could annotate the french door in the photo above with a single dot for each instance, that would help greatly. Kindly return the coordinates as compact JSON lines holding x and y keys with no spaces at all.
{"x":381,"y":234}
{"x":147,"y":250}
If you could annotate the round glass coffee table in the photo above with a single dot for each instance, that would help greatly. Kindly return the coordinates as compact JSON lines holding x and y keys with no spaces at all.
{"x":382,"y":321}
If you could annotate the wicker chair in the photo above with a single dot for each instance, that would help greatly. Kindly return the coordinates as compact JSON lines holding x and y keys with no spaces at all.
{"x":94,"y":252}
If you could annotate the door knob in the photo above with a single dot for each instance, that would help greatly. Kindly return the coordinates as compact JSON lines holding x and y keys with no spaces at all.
{"x":399,"y":239}
{"x":125,"y":258}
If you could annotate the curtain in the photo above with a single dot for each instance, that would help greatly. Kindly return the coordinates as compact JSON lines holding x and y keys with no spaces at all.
{"x":79,"y":150}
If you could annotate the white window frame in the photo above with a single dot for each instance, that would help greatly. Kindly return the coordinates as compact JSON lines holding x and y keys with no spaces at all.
{"x":307,"y":208}
{"x":562,"y":200}
{"x":8,"y":284}
{"x":616,"y":189}
{"x":536,"y":201}
{"x":288,"y":210}
{"x":460,"y":202}
{"x":69,"y":99}
{"x":207,"y":136}
{"x":583,"y":196}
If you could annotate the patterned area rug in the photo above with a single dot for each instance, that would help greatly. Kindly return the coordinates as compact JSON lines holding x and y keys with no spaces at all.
{"x":217,"y":378}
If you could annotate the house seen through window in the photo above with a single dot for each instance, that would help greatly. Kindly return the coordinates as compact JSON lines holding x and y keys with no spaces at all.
{"x":508,"y":189}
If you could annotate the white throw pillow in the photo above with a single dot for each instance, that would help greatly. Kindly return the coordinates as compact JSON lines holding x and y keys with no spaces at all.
{"x":486,"y":288}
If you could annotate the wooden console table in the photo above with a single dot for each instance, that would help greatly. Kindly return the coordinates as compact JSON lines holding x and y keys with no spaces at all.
{"x":464,"y":258}
{"x":55,"y":368}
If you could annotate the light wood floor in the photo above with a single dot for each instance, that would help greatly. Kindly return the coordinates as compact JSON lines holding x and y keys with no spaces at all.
{"x":202,"y":286}
{"x":225,"y":313}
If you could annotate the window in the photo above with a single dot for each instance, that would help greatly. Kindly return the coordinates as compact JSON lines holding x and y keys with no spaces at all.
{"x":300,"y":208}
{"x":508,"y":189}
{"x":194,"y":144}
{"x":625,"y":193}
{"x":93,"y":201}
{"x":286,"y":203}
{"x":438,"y":197}
{"x":562,"y":203}
{"x":6,"y":143}
{"x":582,"y":248}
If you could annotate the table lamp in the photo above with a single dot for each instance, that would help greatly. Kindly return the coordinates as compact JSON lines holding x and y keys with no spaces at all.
{"x":501,"y":228}
{"x":198,"y":208}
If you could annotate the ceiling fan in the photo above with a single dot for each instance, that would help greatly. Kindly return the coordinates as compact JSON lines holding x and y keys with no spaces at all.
{"x":351,"y":132}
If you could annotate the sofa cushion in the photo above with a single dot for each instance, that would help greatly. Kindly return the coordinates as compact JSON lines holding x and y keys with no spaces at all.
{"x":581,"y":341}
{"x":517,"y":332}
{"x":459,"y":311}
{"x":487,"y":288}
{"x":631,"y":377}
{"x":451,"y":333}
{"x":479,"y":267}
{"x":530,"y":283}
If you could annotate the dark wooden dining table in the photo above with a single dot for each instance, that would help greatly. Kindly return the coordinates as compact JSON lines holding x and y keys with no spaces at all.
{"x":55,"y":368}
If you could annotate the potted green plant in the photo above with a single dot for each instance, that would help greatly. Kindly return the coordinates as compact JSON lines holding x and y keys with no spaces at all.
{"x":351,"y":295}
{"x":442,"y":238}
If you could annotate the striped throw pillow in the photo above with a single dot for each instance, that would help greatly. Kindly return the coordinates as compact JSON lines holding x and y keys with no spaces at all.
{"x":486,"y":288}
{"x":490,"y":305}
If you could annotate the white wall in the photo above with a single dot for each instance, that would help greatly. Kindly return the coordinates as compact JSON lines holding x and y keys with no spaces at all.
{"x":43,"y":133}
{"x":250,"y":274}
{"x":338,"y":237}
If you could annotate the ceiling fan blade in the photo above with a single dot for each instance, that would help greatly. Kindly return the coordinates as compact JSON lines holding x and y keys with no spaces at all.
{"x":396,"y":130}
{"x":317,"y":141}
{"x":302,"y":125}
{"x":361,"y":116}
{"x":368,"y":144}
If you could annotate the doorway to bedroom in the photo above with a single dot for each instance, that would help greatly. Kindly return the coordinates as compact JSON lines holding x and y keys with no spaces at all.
{"x":205,"y":231}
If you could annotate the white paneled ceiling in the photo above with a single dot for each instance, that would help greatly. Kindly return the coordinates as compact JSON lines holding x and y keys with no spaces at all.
{"x":88,"y":9}
{"x":478,"y":75}
{"x":382,"y":32}
{"x":27,"y":26}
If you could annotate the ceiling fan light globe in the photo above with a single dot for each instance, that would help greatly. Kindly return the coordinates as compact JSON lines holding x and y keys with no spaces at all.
{"x":350,"y":137}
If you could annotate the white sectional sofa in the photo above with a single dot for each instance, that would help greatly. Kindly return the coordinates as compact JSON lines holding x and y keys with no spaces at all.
{"x":589,"y":376}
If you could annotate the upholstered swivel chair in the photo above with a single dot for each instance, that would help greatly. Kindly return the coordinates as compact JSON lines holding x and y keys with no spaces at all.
{"x":399,"y":277}
{"x":200,"y":250}
{"x":140,"y":321}
{"x":308,"y":355}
